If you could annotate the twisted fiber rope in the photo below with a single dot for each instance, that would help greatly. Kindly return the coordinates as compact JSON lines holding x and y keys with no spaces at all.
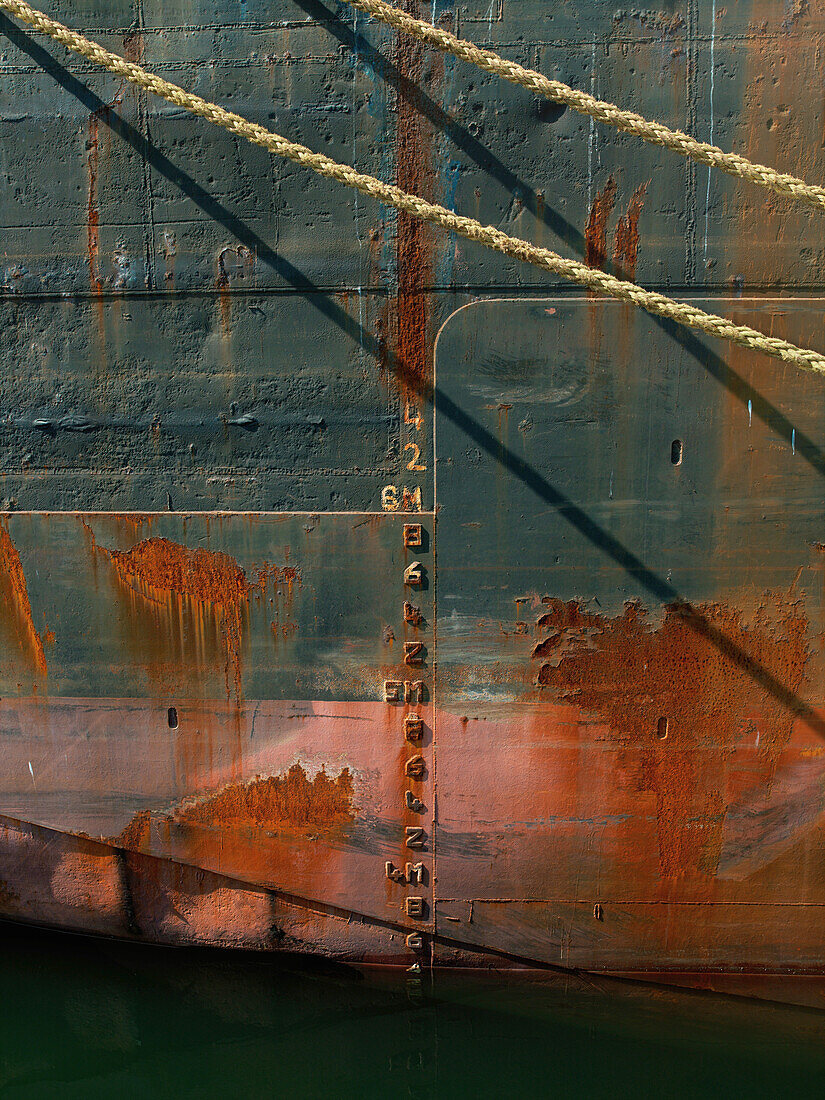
{"x":653,"y":132}
{"x":488,"y":235}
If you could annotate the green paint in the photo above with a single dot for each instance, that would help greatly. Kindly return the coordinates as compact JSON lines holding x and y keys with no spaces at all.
{"x":90,"y":1019}
{"x":556,"y":421}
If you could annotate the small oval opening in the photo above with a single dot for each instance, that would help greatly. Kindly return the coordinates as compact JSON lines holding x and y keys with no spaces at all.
{"x":172,"y":718}
{"x":676,"y":452}
{"x":661,"y":728}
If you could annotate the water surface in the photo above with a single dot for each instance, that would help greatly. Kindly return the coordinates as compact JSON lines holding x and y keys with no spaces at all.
{"x":91,"y":1018}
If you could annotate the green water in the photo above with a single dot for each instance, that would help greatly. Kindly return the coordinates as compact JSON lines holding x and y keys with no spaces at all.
{"x":84,"y":1018}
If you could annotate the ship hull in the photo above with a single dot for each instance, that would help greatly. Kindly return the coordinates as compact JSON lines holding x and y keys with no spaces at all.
{"x":367,"y":595}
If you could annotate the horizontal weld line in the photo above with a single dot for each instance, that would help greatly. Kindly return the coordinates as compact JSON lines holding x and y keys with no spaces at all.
{"x":597,"y":900}
{"x":199,"y":512}
{"x":186,"y":28}
{"x":814,"y":292}
{"x":201,"y":473}
{"x":607,"y":39}
{"x":191,"y":63}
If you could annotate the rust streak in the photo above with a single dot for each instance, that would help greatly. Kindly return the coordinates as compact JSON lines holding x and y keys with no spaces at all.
{"x":15,"y":597}
{"x":134,"y":50}
{"x":157,"y":567}
{"x":92,"y":214}
{"x":595,"y":235}
{"x":414,"y":173}
{"x":626,"y":240}
{"x":224,"y":296}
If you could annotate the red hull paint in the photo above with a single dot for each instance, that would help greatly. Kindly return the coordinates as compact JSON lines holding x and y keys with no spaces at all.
{"x":544,"y":851}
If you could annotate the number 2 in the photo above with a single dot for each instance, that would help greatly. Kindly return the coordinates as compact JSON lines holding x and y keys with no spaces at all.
{"x":413,"y":464}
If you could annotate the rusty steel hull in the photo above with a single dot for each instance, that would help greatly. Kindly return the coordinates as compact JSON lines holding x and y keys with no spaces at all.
{"x":363,"y":594}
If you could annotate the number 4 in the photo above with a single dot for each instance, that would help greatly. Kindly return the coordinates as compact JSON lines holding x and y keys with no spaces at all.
{"x":412,"y":415}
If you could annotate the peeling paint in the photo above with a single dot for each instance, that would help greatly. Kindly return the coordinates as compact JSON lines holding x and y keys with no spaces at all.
{"x":678,"y":695}
{"x":600,"y":775}
{"x":267,"y":801}
{"x":134,"y":47}
{"x":136,"y":833}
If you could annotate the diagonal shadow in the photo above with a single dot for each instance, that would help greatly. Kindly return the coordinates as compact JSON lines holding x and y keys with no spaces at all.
{"x":483,"y":157}
{"x":744,"y":392}
{"x":206,"y":202}
{"x":539,"y":485}
{"x":773,"y":418}
{"x":661,"y":589}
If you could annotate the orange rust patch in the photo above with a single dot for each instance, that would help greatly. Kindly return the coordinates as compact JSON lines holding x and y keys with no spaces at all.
{"x":678,"y":694}
{"x":626,"y":240}
{"x":267,"y":801}
{"x":136,"y":833}
{"x":157,"y":569}
{"x":14,"y":599}
{"x":595,"y":235}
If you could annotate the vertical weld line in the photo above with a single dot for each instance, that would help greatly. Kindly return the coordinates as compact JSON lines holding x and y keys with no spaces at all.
{"x":434,"y":723}
{"x":591,"y":136}
{"x":710,"y":131}
{"x":434,"y":544}
{"x":690,"y":165}
{"x":357,"y":213}
{"x":143,"y":126}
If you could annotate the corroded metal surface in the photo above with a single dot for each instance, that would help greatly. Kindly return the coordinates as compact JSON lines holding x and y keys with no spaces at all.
{"x":362,"y":592}
{"x":646,"y":622}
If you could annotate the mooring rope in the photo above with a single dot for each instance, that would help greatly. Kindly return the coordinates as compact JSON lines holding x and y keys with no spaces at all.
{"x":573,"y":270}
{"x":653,"y":132}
